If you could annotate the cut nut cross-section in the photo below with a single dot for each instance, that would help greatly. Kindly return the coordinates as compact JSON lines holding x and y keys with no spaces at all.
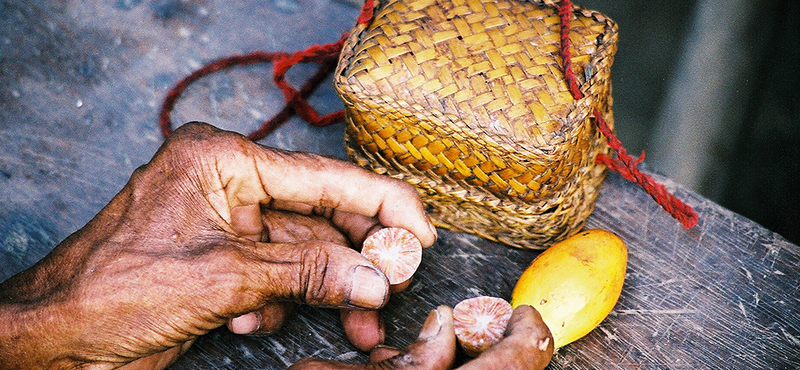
{"x":396,"y":252}
{"x":480,"y":322}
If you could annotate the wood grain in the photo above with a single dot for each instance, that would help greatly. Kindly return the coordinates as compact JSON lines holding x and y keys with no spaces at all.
{"x":80,"y":84}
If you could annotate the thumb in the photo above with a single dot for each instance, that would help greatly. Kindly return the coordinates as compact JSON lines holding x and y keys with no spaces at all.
{"x":316,"y":273}
{"x":434,"y":349}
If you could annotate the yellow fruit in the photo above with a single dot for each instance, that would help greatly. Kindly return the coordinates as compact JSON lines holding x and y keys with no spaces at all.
{"x":575,"y":283}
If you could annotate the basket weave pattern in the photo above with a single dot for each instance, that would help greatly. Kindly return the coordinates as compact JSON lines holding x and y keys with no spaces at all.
{"x":466,"y":100}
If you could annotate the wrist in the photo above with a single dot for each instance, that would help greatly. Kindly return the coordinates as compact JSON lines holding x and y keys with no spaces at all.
{"x":42,"y":317}
{"x":36,"y":317}
{"x":27,"y":338}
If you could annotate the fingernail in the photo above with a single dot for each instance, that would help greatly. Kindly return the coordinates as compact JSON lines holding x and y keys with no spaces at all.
{"x":381,"y":329}
{"x":432,"y":227}
{"x":431,"y":327}
{"x":382,"y":352}
{"x":246,"y":324}
{"x":369,"y":288}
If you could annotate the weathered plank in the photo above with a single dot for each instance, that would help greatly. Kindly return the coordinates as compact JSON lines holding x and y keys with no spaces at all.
{"x":80,"y":85}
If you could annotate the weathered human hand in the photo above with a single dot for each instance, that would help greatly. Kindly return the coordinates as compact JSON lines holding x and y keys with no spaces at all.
{"x":214,"y":230}
{"x":526,"y":345}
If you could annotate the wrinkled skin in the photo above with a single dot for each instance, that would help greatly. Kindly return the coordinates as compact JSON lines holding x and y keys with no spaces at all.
{"x":216,"y":230}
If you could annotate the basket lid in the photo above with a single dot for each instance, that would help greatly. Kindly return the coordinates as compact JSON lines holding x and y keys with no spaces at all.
{"x":493,"y":65}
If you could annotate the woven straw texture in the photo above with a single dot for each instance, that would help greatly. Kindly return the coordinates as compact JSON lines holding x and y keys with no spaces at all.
{"x":466,"y":100}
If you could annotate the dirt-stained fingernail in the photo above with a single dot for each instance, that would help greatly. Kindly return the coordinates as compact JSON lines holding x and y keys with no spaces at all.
{"x":369,"y":288}
{"x":246,"y":324}
{"x":382,"y":329}
{"x":431,"y":326}
{"x":432,"y":227}
{"x":382,"y":352}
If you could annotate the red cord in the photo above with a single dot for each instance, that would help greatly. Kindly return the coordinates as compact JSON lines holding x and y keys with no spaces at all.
{"x":325,"y":55}
{"x":623,"y":163}
{"x":175,"y":92}
{"x":328,"y":55}
{"x":565,"y":13}
{"x":366,"y":15}
{"x":627,"y":167}
{"x":305,"y":91}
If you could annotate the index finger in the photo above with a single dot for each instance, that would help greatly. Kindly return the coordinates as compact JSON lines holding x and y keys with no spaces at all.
{"x":252,"y":174}
{"x":326,"y":182}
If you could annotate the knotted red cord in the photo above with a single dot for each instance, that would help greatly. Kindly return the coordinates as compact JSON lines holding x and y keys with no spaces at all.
{"x":626,"y":166}
{"x":623,"y":163}
{"x":327,"y":55}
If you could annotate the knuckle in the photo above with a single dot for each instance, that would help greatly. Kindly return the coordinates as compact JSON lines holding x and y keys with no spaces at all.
{"x":137,"y":181}
{"x":405,"y":190}
{"x":314,"y":274}
{"x":223,"y":274}
{"x":193,"y":129}
{"x":200,"y":136}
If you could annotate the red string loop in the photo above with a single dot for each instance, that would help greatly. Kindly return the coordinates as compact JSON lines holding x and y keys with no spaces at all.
{"x":295,"y":99}
{"x":164,"y":120}
{"x":326,"y":56}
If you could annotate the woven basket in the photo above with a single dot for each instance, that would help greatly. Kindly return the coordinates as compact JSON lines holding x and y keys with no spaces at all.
{"x":466,"y":100}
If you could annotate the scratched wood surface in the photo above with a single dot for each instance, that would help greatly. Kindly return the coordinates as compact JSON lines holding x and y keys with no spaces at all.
{"x":80,"y":86}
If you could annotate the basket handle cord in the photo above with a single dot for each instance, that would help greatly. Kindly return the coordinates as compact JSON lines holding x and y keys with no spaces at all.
{"x":624,"y":164}
{"x":327,"y":56}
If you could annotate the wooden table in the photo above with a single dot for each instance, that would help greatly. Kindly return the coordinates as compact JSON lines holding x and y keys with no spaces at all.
{"x":80,"y":87}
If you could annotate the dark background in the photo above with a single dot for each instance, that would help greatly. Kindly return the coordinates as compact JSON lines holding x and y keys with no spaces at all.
{"x":709,"y":90}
